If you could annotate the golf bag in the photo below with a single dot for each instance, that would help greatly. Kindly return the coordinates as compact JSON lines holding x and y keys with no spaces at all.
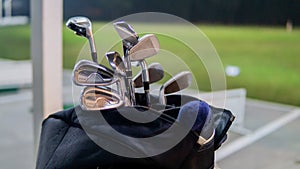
{"x":64,"y":144}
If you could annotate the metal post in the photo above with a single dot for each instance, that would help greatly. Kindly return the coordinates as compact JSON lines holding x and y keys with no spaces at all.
{"x":1,"y":13}
{"x":8,"y":8}
{"x":46,"y":56}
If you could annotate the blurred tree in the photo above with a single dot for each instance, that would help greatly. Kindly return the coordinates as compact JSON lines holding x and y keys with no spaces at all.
{"x":210,"y":11}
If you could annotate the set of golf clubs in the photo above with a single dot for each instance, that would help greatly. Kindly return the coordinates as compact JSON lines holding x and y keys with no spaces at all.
{"x":97,"y":95}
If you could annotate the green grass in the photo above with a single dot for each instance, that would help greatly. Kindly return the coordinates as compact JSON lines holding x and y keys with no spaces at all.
{"x":14,"y":42}
{"x":268,"y":57}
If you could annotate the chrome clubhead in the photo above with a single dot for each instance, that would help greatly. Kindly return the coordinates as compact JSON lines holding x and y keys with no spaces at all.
{"x":88,"y":73}
{"x":116,"y":62}
{"x":82,"y":26}
{"x":178,"y":82}
{"x":156,"y":73}
{"x":99,"y":98}
{"x":126,"y":32}
{"x":147,"y":46}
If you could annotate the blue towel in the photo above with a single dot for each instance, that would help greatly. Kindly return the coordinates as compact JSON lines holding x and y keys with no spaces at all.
{"x":196,"y":113}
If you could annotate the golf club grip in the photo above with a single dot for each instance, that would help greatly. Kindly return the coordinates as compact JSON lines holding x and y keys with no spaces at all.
{"x":146,"y":86}
{"x":147,"y":94}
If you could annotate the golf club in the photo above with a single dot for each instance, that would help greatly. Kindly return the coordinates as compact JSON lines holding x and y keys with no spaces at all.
{"x":117,"y":64}
{"x":179,"y":82}
{"x":99,"y":98}
{"x":156,"y":73}
{"x":88,"y":73}
{"x":127,"y":34}
{"x":129,"y":39}
{"x":147,"y":46}
{"x":82,"y":26}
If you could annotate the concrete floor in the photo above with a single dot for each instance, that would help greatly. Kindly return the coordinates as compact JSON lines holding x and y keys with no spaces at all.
{"x":278,"y":150}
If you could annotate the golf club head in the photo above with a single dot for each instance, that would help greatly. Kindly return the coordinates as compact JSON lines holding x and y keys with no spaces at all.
{"x":116,"y":62}
{"x":127,"y":34}
{"x":99,"y":98}
{"x":147,"y":46}
{"x":88,"y":73}
{"x":81,"y":25}
{"x":156,"y":73}
{"x":178,"y":82}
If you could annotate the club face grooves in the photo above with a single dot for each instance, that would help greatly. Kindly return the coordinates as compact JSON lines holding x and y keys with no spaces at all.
{"x":100,"y":98}
{"x":156,"y":73}
{"x":178,"y":82}
{"x":147,"y":46}
{"x":88,"y":73}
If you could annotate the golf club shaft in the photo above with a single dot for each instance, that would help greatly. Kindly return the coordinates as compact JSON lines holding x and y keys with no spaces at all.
{"x":122,"y":88}
{"x":162,"y":98}
{"x":93,"y":49}
{"x":129,"y":84}
{"x":145,"y":78}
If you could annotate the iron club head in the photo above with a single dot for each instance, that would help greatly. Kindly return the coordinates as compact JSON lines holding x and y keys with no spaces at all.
{"x":116,"y":62}
{"x":147,"y":46}
{"x":88,"y":73}
{"x":99,"y":98}
{"x":126,"y":32}
{"x":156,"y":73}
{"x":178,"y":82}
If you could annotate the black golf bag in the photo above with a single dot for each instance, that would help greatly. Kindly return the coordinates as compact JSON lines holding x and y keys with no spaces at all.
{"x":64,"y":144}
